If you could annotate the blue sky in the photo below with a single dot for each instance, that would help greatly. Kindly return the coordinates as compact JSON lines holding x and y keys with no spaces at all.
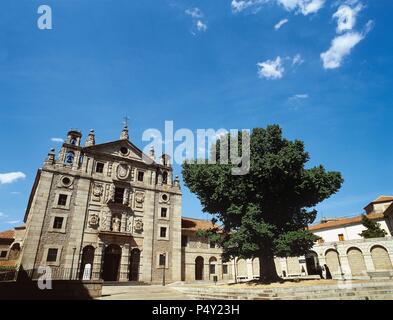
{"x":202,"y":64}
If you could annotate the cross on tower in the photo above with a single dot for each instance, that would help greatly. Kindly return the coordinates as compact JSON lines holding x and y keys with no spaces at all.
{"x":125,"y":121}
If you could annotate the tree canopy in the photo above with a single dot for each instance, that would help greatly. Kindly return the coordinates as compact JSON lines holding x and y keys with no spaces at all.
{"x":264,"y":213}
{"x":373,"y":229}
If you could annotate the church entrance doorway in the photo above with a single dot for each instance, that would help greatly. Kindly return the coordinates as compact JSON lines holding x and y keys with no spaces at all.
{"x":134,"y":264}
{"x":112,"y":255}
{"x":199,"y":268}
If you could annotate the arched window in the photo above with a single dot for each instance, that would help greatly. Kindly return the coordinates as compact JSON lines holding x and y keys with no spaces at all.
{"x":212,"y":265}
{"x":165,"y":177}
{"x":69,"y":158}
{"x":73,"y":141}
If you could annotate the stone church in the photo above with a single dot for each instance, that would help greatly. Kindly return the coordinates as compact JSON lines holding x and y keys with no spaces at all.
{"x":108,"y":206}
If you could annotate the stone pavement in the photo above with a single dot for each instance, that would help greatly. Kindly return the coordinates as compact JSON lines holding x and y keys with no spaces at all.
{"x":153,"y":292}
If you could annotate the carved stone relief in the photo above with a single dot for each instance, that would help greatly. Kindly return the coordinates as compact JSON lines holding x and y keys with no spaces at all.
{"x":123,"y":171}
{"x":139,"y":199}
{"x":94,"y":220}
{"x":138,"y":225}
{"x":98,"y":191}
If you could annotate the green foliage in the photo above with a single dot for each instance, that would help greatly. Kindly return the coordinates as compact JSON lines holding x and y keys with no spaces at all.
{"x":267,"y":211}
{"x":373,"y":229}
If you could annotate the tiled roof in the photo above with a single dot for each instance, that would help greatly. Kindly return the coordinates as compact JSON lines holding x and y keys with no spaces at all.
{"x":383,"y":199}
{"x":344,"y":221}
{"x":192,"y":224}
{"x":9,"y":234}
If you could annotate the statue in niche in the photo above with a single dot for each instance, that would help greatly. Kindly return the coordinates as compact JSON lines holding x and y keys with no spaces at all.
{"x":126,"y":197}
{"x":116,"y":222}
{"x":138,"y":226}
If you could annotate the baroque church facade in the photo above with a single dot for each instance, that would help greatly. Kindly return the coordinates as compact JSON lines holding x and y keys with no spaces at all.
{"x":107,"y":210}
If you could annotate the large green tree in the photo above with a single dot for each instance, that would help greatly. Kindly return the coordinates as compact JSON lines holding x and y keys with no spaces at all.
{"x":373,"y":229}
{"x":264,"y":213}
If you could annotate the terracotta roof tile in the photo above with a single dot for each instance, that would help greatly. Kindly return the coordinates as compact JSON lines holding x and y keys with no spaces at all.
{"x":196,"y":224}
{"x":9,"y":234}
{"x":344,"y":221}
{"x":383,"y":199}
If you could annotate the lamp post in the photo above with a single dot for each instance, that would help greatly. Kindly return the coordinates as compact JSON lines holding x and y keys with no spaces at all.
{"x":339,"y":262}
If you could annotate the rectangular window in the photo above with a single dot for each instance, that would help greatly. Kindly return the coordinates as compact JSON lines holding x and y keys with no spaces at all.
{"x":212,"y":268}
{"x":119,"y":195}
{"x":140,"y":176}
{"x":164,"y":212}
{"x":58,"y":222}
{"x":341,"y":237}
{"x":3,"y":254}
{"x":62,"y":200}
{"x":224,"y":269}
{"x":184,"y":241}
{"x":212,"y":244}
{"x":99,"y":167}
{"x":52,"y":255}
{"x":162,"y":260}
{"x":163,"y":232}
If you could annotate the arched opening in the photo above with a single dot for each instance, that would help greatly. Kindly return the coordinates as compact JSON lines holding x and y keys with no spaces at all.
{"x":199,"y":268}
{"x":212,"y":266}
{"x":135,"y":258}
{"x":110,"y":270}
{"x":241,"y":268}
{"x":255,"y":268}
{"x":165,"y":177}
{"x":356,"y":261}
{"x":333,"y":265}
{"x":312,"y":263}
{"x":381,"y":259}
{"x":293,"y":266}
{"x":14,"y":252}
{"x":69,"y":158}
{"x":87,"y":263}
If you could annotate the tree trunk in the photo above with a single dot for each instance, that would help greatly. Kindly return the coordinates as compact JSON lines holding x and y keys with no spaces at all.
{"x":267,"y":269}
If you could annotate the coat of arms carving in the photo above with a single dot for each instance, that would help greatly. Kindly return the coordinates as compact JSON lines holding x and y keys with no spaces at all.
{"x":138,"y":226}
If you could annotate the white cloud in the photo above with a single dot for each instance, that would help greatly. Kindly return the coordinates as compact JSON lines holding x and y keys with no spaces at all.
{"x":304,"y":7}
{"x":2,"y":214}
{"x":194,"y":13}
{"x":342,"y":46}
{"x":13,"y":221}
{"x":271,"y":69}
{"x":280,"y":24}
{"x":15,"y":192}
{"x":300,"y":96}
{"x":346,"y":17}
{"x":240,"y":5}
{"x":11,"y":177}
{"x":201,"y":26}
{"x":199,"y":23}
{"x":297,"y":60}
{"x":57,"y":140}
